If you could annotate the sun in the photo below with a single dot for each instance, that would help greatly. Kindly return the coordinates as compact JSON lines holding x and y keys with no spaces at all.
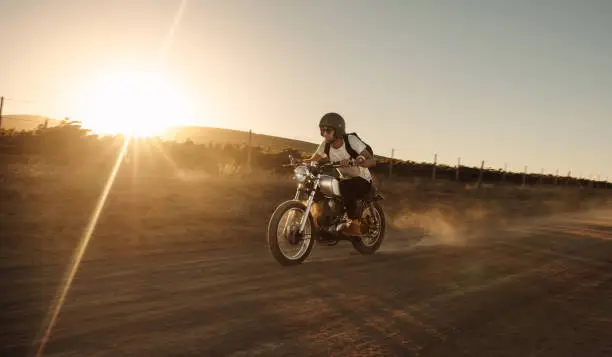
{"x":132,"y":102}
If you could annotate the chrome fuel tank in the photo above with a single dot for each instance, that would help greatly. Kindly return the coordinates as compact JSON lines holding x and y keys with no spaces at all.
{"x":329,"y":186}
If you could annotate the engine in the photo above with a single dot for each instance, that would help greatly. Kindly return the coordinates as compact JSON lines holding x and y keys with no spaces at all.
{"x":331,"y":209}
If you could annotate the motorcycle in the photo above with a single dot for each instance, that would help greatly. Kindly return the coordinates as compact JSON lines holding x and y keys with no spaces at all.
{"x":317,"y":213}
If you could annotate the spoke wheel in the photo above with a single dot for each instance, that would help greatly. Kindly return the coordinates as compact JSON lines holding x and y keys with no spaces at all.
{"x":287,"y":245}
{"x":373,"y":217}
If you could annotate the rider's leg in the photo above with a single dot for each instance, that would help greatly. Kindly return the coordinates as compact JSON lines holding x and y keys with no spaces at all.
{"x":351,"y":190}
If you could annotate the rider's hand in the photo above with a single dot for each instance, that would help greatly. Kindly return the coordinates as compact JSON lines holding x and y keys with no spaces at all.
{"x":360,"y":160}
{"x":345,"y":163}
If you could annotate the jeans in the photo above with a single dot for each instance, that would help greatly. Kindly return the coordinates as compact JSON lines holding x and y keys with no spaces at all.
{"x":351,"y":190}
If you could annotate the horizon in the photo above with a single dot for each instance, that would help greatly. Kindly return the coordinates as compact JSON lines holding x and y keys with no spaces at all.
{"x":165,"y":137}
{"x":518,"y":83}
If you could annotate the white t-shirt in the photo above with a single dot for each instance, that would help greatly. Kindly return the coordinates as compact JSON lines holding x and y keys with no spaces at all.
{"x":341,"y":154}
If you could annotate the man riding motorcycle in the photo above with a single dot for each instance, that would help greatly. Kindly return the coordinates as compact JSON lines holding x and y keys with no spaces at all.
{"x":338,"y":146}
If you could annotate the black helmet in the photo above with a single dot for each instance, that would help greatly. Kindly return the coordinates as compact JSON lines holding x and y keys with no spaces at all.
{"x":333,"y":120}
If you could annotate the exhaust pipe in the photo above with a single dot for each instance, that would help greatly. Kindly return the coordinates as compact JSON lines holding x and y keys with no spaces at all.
{"x":339,"y":227}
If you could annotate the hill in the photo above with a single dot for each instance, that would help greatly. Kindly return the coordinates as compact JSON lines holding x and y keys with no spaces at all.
{"x":197,"y":134}
{"x":25,"y":122}
{"x":206,"y":135}
{"x":268,"y":143}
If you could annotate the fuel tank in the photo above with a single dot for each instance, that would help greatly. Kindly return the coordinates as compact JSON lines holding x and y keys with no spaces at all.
{"x":329,"y":186}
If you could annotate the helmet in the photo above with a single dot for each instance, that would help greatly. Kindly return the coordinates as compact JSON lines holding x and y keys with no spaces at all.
{"x":333,"y":120}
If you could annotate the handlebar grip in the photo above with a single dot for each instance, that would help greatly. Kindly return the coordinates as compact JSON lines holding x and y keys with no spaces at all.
{"x":351,"y":163}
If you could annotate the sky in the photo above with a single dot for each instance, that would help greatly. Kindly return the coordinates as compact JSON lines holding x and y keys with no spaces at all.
{"x":509,"y":82}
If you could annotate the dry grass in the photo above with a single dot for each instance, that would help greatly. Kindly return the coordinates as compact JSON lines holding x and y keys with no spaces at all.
{"x":44,"y":209}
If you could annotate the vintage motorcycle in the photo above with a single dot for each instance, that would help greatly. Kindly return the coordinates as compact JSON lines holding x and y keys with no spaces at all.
{"x":317,"y":213}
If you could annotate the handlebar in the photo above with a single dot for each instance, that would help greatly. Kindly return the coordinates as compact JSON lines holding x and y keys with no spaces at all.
{"x":334,"y":164}
{"x":338,"y":165}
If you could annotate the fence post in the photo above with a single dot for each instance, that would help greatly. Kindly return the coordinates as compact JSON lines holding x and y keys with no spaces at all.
{"x":556,"y":177}
{"x":458,"y":166}
{"x":1,"y":106}
{"x":525,"y":176}
{"x":542,"y":176}
{"x":391,"y":163}
{"x":505,"y":172}
{"x":433,"y":174}
{"x":249,"y":166}
{"x":480,"y":174}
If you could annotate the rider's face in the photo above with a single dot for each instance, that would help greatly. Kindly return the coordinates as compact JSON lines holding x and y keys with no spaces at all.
{"x":328,"y":134}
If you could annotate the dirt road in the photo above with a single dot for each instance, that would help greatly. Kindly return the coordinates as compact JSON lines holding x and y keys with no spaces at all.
{"x":538,"y":290}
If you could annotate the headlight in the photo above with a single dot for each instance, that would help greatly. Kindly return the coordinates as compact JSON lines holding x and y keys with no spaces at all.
{"x":301,"y":173}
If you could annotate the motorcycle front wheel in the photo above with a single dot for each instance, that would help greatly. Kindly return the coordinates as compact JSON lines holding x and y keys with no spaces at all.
{"x":287,"y":245}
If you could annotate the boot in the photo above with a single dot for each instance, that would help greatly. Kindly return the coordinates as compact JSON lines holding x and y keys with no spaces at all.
{"x":353,"y":229}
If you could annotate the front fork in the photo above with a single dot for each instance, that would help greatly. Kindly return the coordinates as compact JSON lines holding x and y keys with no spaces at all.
{"x":309,"y":205}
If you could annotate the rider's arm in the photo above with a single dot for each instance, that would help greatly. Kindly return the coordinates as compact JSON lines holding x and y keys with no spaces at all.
{"x":318,"y":155}
{"x":365,"y":159}
{"x":314,"y":157}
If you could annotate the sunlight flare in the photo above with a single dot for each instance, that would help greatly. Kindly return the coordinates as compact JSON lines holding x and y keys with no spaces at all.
{"x":80,"y":251}
{"x":172,"y":31}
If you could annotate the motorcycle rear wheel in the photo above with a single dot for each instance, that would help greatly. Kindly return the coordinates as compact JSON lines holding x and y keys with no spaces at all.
{"x":367,"y":244}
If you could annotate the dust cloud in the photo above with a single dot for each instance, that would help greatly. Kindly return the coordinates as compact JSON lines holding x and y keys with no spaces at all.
{"x":445,"y":225}
{"x":464,"y":218}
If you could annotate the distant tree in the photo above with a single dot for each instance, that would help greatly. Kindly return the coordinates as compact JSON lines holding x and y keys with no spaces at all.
{"x":67,"y":129}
